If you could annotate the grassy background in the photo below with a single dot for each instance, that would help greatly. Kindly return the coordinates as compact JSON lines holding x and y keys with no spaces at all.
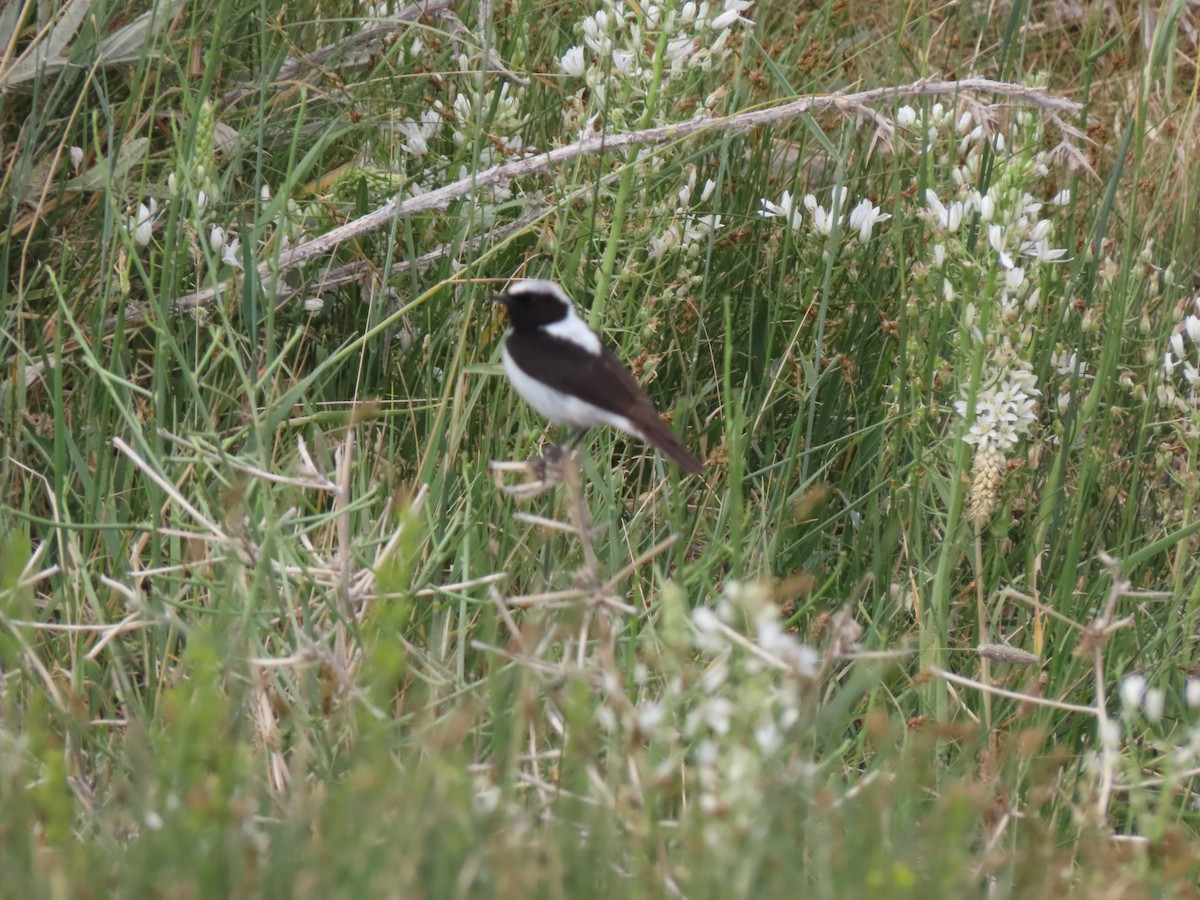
{"x":268,"y":624}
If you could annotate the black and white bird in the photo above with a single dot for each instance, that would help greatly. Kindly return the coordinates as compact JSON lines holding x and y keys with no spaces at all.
{"x":559,"y":367}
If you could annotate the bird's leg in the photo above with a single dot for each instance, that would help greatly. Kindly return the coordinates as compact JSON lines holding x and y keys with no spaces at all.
{"x":553,"y":454}
{"x":573,"y":475}
{"x":575,"y":462}
{"x":548,"y":465}
{"x":572,"y":446}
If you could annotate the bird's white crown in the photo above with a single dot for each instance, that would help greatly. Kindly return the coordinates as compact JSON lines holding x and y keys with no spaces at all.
{"x":539,"y":286}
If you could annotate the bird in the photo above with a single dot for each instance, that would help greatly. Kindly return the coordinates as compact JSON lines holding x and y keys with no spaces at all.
{"x":560,"y":367}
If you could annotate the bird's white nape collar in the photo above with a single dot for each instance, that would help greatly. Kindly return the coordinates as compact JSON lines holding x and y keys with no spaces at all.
{"x":574,"y":329}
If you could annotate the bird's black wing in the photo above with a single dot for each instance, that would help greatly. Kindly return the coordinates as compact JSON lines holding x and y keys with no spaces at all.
{"x":597,"y":378}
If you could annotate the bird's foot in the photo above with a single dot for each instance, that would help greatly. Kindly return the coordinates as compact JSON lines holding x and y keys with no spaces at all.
{"x":544,"y":472}
{"x":553,"y":455}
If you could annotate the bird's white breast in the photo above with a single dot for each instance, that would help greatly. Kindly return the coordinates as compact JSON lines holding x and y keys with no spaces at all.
{"x":574,"y":329}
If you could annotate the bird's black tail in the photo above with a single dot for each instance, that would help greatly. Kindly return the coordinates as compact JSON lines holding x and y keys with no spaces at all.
{"x":656,"y":433}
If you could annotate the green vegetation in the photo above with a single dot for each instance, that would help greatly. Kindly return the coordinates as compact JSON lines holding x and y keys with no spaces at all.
{"x":271,"y":622}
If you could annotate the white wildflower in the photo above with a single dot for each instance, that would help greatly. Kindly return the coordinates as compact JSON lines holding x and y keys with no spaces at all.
{"x":706,"y":620}
{"x":1068,"y":364}
{"x":766,"y":733}
{"x":707,"y":753}
{"x":679,"y":51}
{"x":141,"y":225}
{"x":596,"y":33}
{"x":715,"y":676}
{"x":1192,"y":326}
{"x":662,"y":243}
{"x":229,"y":253}
{"x":1191,"y":693}
{"x":606,"y":719}
{"x":1153,"y":702}
{"x":1109,"y":734}
{"x":996,"y":236}
{"x":717,"y":713}
{"x":863,"y":218}
{"x":1133,"y":688}
{"x":785,"y":209}
{"x":469,"y":111}
{"x":1177,"y":345}
{"x":949,"y":217}
{"x":823,"y":221}
{"x":418,"y":133}
{"x":1043,"y":252}
{"x":649,"y":717}
{"x":623,"y":61}
{"x":800,"y":658}
{"x":573,"y":63}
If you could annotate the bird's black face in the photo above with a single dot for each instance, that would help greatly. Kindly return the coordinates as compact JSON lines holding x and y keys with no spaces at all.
{"x":532,"y":304}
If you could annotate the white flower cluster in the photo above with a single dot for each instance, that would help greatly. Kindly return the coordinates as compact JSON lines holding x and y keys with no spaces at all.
{"x":687,"y":234}
{"x":716,"y":631}
{"x":752,"y":693}
{"x":1015,"y":233}
{"x":1137,"y":697}
{"x":475,"y":131}
{"x":441,"y":140}
{"x":1142,"y":705}
{"x":1181,"y":365}
{"x":418,"y":133}
{"x":1006,"y":410}
{"x":937,"y":118}
{"x":619,"y":42}
{"x":1018,"y":235}
{"x":861,"y":219}
{"x":503,"y":105}
{"x":226,"y":246}
{"x":1000,"y":274}
{"x":687,"y":231}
